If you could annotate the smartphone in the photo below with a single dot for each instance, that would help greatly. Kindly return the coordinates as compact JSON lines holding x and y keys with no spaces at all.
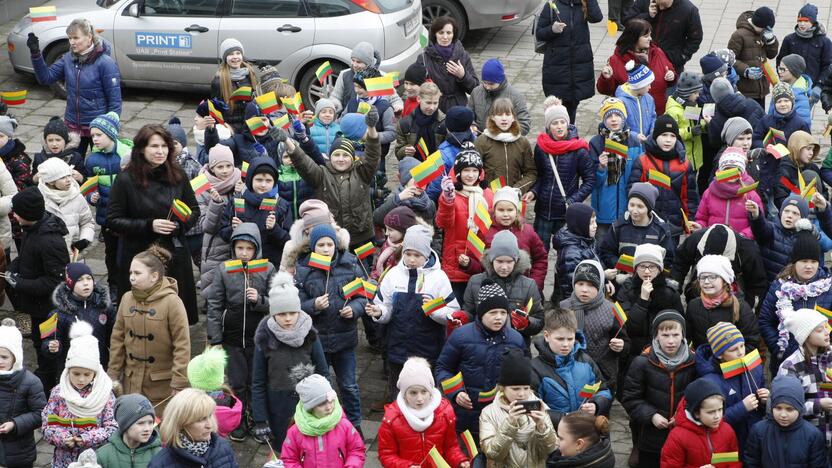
{"x":530,"y":405}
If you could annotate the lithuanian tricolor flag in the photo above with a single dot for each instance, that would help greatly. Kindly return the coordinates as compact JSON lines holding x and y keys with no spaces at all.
{"x":353,"y":288}
{"x":428,"y":170}
{"x":770,"y":73}
{"x":14,"y":98}
{"x":732,"y":368}
{"x":476,"y":244}
{"x":433,"y":305}
{"x":48,"y":327}
{"x":234,"y":266}
{"x":268,"y":204}
{"x":658,"y":178}
{"x":365,"y":250}
{"x":487,"y":397}
{"x":181,"y":210}
{"x":43,"y":14}
{"x":497,"y":183}
{"x":321,"y":262}
{"x":625,"y":263}
{"x":282,"y":122}
{"x":619,"y":313}
{"x":727,"y":175}
{"x":323,"y":71}
{"x":614,"y":147}
{"x":239,"y":206}
{"x":91,"y":185}
{"x":267,"y":102}
{"x":381,"y":86}
{"x":259,"y":265}
{"x":256,"y":126}
{"x":453,"y":384}
{"x":725,"y":457}
{"x":589,"y":390}
{"x":243,"y":93}
{"x":470,"y":445}
{"x":200,"y":184}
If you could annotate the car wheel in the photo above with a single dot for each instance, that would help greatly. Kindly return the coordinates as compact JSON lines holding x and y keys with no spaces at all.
{"x":54,"y":53}
{"x":432,"y":9}
{"x":311,"y":90}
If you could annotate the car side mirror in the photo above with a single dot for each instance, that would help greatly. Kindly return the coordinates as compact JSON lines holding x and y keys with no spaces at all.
{"x":134,"y":10}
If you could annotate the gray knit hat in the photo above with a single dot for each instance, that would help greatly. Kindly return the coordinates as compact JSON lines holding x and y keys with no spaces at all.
{"x":795,"y":63}
{"x":365,"y":52}
{"x":554,"y":113}
{"x":7,"y":125}
{"x":734,"y":127}
{"x":283,"y":295}
{"x":314,"y":390}
{"x":324,"y":103}
{"x":504,"y":244}
{"x":689,"y":82}
{"x":646,"y":192}
{"x":418,"y":238}
{"x":130,"y":408}
{"x":230,"y":45}
{"x":720,"y":88}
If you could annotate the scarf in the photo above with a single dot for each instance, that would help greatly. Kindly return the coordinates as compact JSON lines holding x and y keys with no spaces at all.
{"x":420,"y":204}
{"x":595,"y":319}
{"x":559,"y":147}
{"x":89,"y":401}
{"x":671,"y":363}
{"x":295,"y":336}
{"x":420,"y":420}
{"x":223,"y":186}
{"x":425,"y":131}
{"x":312,"y":426}
{"x":446,"y":52}
{"x":142,"y":295}
{"x":502,"y":137}
{"x":790,"y":291}
{"x":652,"y":148}
{"x":8,"y":147}
{"x":711,"y":303}
{"x":60,"y":197}
{"x":615,"y":163}
{"x":238,"y":74}
{"x":86,"y":55}
{"x":474,"y":194}
{"x":197,"y":449}
{"x":805,"y":34}
{"x":255,"y":199}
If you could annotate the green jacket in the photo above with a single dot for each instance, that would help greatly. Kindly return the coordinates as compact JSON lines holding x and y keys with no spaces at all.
{"x":115,"y":453}
{"x":693,"y":143}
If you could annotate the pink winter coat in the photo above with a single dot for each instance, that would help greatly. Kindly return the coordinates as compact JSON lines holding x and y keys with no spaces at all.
{"x":340,"y":447}
{"x":228,"y":418}
{"x":720,"y":204}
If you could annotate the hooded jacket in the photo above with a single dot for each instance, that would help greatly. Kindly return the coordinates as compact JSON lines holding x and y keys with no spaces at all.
{"x":454,"y":90}
{"x":623,"y":237}
{"x":481,"y":100}
{"x":816,"y":51}
{"x":298,"y":244}
{"x":691,"y":444}
{"x":751,"y":51}
{"x":657,"y":62}
{"x":324,"y":134}
{"x":399,"y":446}
{"x":788,"y":124}
{"x":610,"y":200}
{"x":802,"y":108}
{"x":788,"y":169}
{"x":641,"y":110}
{"x":117,"y":454}
{"x":694,"y":144}
{"x":97,"y":310}
{"x":72,"y":208}
{"x":577,"y":174}
{"x":732,"y":105}
{"x":232,"y":318}
{"x":677,"y":30}
{"x":640,"y":313}
{"x":508,"y":155}
{"x":572,"y":249}
{"x":8,"y":189}
{"x":214,"y":248}
{"x":720,"y":204}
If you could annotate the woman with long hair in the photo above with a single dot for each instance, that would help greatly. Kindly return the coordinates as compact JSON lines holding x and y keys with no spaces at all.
{"x":234,"y":73}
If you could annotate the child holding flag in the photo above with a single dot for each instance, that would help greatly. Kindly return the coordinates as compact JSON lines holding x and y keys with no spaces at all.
{"x":322,"y":277}
{"x":79,"y":414}
{"x":418,"y":420}
{"x":62,"y":197}
{"x":564,"y":375}
{"x":724,"y":200}
{"x":803,"y":151}
{"x":366,"y":92}
{"x":409,"y":194}
{"x":724,"y":361}
{"x":235,"y":82}
{"x":782,"y":118}
{"x":421,"y":132}
{"x":237,"y":302}
{"x":510,"y":434}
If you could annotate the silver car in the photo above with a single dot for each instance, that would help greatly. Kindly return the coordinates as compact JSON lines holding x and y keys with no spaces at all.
{"x":173,"y":44}
{"x":480,"y":14}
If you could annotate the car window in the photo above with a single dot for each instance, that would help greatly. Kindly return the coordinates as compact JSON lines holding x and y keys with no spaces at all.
{"x":180,"y":7}
{"x":326,"y":8}
{"x":284,"y":8}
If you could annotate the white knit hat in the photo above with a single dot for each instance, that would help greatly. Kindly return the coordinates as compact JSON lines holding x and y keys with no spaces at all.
{"x":53,"y":169}
{"x":801,"y":322}
{"x":717,"y":265}
{"x":416,"y":371}
{"x":649,"y":253}
{"x":507,"y":194}
{"x":83,"y":347}
{"x":11,"y":339}
{"x":283,"y":295}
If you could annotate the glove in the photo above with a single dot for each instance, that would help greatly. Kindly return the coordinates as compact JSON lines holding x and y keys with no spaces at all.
{"x":826,"y":101}
{"x":80,"y":244}
{"x":278,"y":134}
{"x":815,"y":96}
{"x":261,"y":150}
{"x":371,"y":119}
{"x":696,"y":130}
{"x":262,"y":430}
{"x":558,"y":28}
{"x":298,"y":130}
{"x":12,"y":279}
{"x":33,"y":44}
{"x":519,"y":321}
{"x":768,"y":36}
{"x":753,"y":73}
{"x":457,"y":319}
{"x":448,"y":189}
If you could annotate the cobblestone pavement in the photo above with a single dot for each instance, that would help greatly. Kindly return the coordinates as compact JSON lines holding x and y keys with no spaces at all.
{"x":513,"y":45}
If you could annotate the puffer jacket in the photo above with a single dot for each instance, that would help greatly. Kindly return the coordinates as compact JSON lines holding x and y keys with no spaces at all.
{"x":399,"y":446}
{"x":528,"y":241}
{"x":232,"y":318}
{"x":640,"y":313}
{"x":324,"y":134}
{"x":559,"y":379}
{"x":657,"y":62}
{"x":68,"y":155}
{"x":510,"y":156}
{"x":802,"y":89}
{"x":623,"y":237}
{"x":676,"y":29}
{"x":776,"y":242}
{"x":93,"y":83}
{"x":610,"y":200}
{"x":335,"y":332}
{"x":499,"y":439}
{"x":92,"y":436}
{"x":475,"y":352}
{"x":481,"y":100}
{"x":751,"y":51}
{"x":454,"y":91}
{"x":72,"y":208}
{"x":219,"y":455}
{"x":816,"y":51}
{"x":567,"y":60}
{"x":117,"y":455}
{"x":788,"y":124}
{"x":407,"y":133}
{"x":347,"y":194}
{"x":803,"y":445}
{"x":691,"y":445}
{"x":215,"y":249}
{"x":649,"y":388}
{"x":720,"y":204}
{"x":577,"y":174}
{"x":734,"y":390}
{"x":572,"y":250}
{"x":21,"y":401}
{"x":341,"y":447}
{"x":733,"y":105}
{"x":518,"y":288}
{"x":694,"y":144}
{"x":699,"y":320}
{"x":453,"y":218}
{"x":106,"y":166}
{"x":682,"y":196}
{"x":641,"y":110}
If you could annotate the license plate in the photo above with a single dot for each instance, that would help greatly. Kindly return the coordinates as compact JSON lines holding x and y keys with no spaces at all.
{"x":412,"y":24}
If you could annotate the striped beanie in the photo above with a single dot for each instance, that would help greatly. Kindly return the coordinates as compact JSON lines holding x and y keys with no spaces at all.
{"x":723,"y":336}
{"x":109,"y":124}
{"x":638,"y":75}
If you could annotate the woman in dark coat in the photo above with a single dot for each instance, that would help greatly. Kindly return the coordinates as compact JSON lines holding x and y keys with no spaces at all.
{"x":568,"y":70}
{"x":448,"y":64}
{"x":140,"y":211}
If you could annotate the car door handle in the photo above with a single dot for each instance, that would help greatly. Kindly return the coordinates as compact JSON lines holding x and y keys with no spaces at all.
{"x":196,"y":28}
{"x":289,"y":28}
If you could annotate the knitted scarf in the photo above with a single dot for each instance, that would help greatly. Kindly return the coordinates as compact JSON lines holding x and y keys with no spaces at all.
{"x":559,"y":147}
{"x":712,"y":302}
{"x":805,"y":34}
{"x":474,"y":194}
{"x":8,"y":147}
{"x":90,"y":400}
{"x":238,"y":74}
{"x":310,"y":425}
{"x":197,"y":449}
{"x":615,"y":163}
{"x":142,"y":295}
{"x":790,"y":291}
{"x":223,"y":186}
{"x":295,"y":336}
{"x":420,"y":420}
{"x":425,"y":131}
{"x":446,"y":52}
{"x":671,"y":363}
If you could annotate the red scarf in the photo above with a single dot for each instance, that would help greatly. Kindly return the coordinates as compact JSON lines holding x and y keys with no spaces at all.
{"x":714,"y":302}
{"x":558,"y":147}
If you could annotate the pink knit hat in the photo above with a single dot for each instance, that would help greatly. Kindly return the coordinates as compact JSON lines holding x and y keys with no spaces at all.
{"x":416,"y":371}
{"x":219,"y":154}
{"x":314,"y":212}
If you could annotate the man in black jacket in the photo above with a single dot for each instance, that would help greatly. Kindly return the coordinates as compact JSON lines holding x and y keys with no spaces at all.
{"x":38,"y":269}
{"x":677,"y":28}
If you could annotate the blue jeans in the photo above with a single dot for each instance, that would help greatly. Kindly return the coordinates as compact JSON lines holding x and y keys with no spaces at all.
{"x":344,"y":365}
{"x":547,"y":229}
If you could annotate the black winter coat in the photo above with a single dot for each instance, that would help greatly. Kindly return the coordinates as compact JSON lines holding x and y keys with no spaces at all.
{"x":640,"y":313}
{"x":97,"y":310}
{"x":219,"y":455}
{"x":236,"y":117}
{"x":568,"y":70}
{"x":816,"y":51}
{"x":677,"y":30}
{"x":40,"y":263}
{"x":733,"y":105}
{"x":623,"y":237}
{"x":69,"y":156}
{"x":130,"y":214}
{"x":21,"y":400}
{"x":454,"y":91}
{"x":699,"y":320}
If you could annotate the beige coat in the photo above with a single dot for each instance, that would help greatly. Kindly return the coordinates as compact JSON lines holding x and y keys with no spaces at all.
{"x":73,"y":210}
{"x":151,"y":344}
{"x":498,"y":438}
{"x":8,"y":189}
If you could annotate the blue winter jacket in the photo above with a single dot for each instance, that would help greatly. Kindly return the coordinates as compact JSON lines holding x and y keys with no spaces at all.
{"x":577,"y":174}
{"x":776,"y":242}
{"x":788,"y":124}
{"x":641,"y":110}
{"x":476,"y":352}
{"x":106,"y":166}
{"x":816,"y":51}
{"x":572,"y":250}
{"x":610,"y":201}
{"x":219,"y":455}
{"x":559,"y":379}
{"x":623,"y":237}
{"x":803,"y":445}
{"x":734,"y":390}
{"x":733,"y":105}
{"x":323,"y":135}
{"x":93,"y":87}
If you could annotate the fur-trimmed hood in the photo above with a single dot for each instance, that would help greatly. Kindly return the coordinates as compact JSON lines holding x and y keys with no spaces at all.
{"x":298,"y":244}
{"x":523,"y":263}
{"x":65,"y":302}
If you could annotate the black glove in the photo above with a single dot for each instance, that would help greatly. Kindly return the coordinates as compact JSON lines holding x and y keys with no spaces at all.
{"x":371,"y":119}
{"x":12,"y":279}
{"x":33,"y":44}
{"x":80,"y":244}
{"x":826,"y":101}
{"x":278,"y":134}
{"x":262,"y":430}
{"x":696,"y":130}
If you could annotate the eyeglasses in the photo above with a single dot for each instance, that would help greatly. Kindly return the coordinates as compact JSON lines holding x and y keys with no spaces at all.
{"x":647,"y":267}
{"x":707,"y":278}
{"x":782,"y":69}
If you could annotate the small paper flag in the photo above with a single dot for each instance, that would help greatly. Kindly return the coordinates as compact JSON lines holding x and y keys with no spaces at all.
{"x":692,"y":112}
{"x":625,"y":263}
{"x":612,"y":28}
{"x":619,"y":313}
{"x":727,"y":175}
{"x":364,"y":107}
{"x":43,"y":14}
{"x":589,"y":390}
{"x":200,"y":184}
{"x":476,"y":244}
{"x":437,"y":459}
{"x":256,"y":126}
{"x":529,"y":305}
{"x":497,"y":183}
{"x":453,"y":384}
{"x":353,"y":288}
{"x":686,"y":221}
{"x":810,"y":189}
{"x":470,"y":445}
{"x":752,"y":360}
{"x":321,"y":262}
{"x":244,"y":169}
{"x":482,"y":219}
{"x":381,"y":86}
{"x":239,"y":206}
{"x":234,"y":266}
{"x":732,"y":368}
{"x":658,"y":179}
{"x":91,"y":185}
{"x":259,"y":265}
{"x":487,"y":397}
{"x":423,"y":37}
{"x":282,"y":122}
{"x":428,"y":170}
{"x":725,"y":457}
{"x":267,"y":102}
{"x":214,"y":113}
{"x":826,"y":313}
{"x":14,"y":98}
{"x":774,"y":136}
{"x":422,"y":148}
{"x":243,"y":93}
{"x":181,"y":210}
{"x":370,"y":290}
{"x":323,"y":71}
{"x":294,"y":105}
{"x":614,"y":147}
{"x":73,"y":423}
{"x":748,"y":188}
{"x":771,"y":75}
{"x":365,"y":250}
{"x":48,"y":327}
{"x":433,"y":305}
{"x":268,"y":204}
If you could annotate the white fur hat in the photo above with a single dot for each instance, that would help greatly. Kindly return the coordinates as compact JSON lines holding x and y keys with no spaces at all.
{"x":801,"y":322}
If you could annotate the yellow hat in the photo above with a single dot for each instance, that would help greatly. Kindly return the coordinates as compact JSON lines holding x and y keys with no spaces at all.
{"x":614,"y":105}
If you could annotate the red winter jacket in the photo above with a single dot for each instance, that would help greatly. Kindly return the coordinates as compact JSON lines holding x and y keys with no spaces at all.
{"x":658,"y":64}
{"x":528,"y":240}
{"x":453,"y":218}
{"x":399,"y":446}
{"x":691,"y":445}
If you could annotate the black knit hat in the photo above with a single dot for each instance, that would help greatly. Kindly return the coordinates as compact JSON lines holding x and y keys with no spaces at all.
{"x":467,"y":157}
{"x":698,"y":391}
{"x":515,"y":368}
{"x":664,"y":124}
{"x":56,"y":126}
{"x":491,"y":296}
{"x":667,"y":314}
{"x":587,"y":272}
{"x":416,"y":73}
{"x":806,"y":247}
{"x":28,"y":204}
{"x":763,"y":17}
